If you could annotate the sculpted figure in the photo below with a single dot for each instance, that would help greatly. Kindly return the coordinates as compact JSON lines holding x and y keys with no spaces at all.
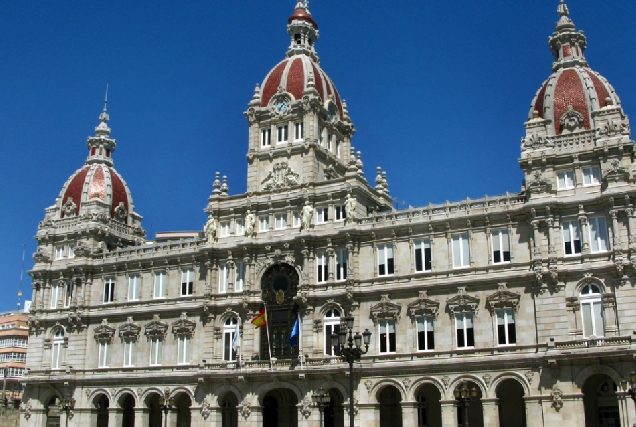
{"x":210,"y":229}
{"x":306,"y":216}
{"x":350,"y":209}
{"x":250,"y":222}
{"x":69,"y":208}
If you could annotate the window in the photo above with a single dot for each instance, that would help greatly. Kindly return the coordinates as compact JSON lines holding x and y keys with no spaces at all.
{"x":224,"y":273}
{"x":425,"y":335}
{"x":71,"y":251}
{"x":104,"y":350}
{"x":322,"y":265}
{"x":338,"y":145}
{"x":109,"y":290}
{"x":240,"y":227}
{"x":385,"y":260}
{"x":59,"y":252}
{"x":280,"y":221}
{"x":500,"y":246}
{"x":341,"y":214}
{"x":68,"y":293}
{"x":187,"y":282}
{"x":332,"y":325}
{"x":387,"y":336}
{"x":320,"y":137}
{"x":160,"y":284}
{"x":506,"y":332}
{"x":224,"y":229}
{"x":266,"y":137}
{"x":422,"y":255}
{"x":55,"y":294}
{"x":134,"y":282}
{"x":592,"y":311}
{"x":156,"y":343}
{"x":282,"y":134}
{"x":263,"y":223}
{"x":183,"y":350}
{"x":229,"y":330}
{"x":422,"y":420}
{"x":571,"y":238}
{"x":464,"y":330}
{"x":341,"y":264}
{"x":296,"y":220}
{"x":239,"y":281}
{"x":56,"y":354}
{"x":299,"y":131}
{"x":565,"y":180}
{"x":461,"y":251}
{"x":598,"y":234}
{"x":591,"y":176}
{"x":129,"y":352}
{"x":13,"y":342}
{"x":322,"y":215}
{"x":329,"y":141}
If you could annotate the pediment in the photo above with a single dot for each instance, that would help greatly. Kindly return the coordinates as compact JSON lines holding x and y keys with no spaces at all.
{"x":183,"y":326}
{"x":156,"y":328}
{"x":129,"y":329}
{"x":385,"y":309}
{"x":104,"y":331}
{"x":503,"y":299}
{"x":462,"y":302}
{"x":423,"y":306}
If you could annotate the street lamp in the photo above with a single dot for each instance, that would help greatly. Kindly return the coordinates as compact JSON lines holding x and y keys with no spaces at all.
{"x":349,"y":348}
{"x":321,"y":399}
{"x":68,"y":403}
{"x":632,"y":387}
{"x":464,"y":395}
{"x":166,"y":402}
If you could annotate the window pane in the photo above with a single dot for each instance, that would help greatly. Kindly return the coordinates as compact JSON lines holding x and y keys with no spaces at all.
{"x":598,"y":319}
{"x":586,"y":312}
{"x":419,"y":265}
{"x":465,"y":252}
{"x":470,"y":338}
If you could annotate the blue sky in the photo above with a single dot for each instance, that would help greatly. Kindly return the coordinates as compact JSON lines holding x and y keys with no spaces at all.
{"x":438,"y":92}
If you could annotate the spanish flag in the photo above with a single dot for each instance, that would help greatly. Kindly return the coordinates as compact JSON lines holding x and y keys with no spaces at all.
{"x":260,"y":320}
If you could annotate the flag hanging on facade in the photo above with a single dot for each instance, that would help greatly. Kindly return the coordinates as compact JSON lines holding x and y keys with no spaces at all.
{"x":235,"y":341}
{"x":293,"y":338}
{"x":260,"y":320}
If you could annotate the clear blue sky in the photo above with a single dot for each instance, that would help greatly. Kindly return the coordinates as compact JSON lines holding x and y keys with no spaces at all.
{"x":438,"y":92}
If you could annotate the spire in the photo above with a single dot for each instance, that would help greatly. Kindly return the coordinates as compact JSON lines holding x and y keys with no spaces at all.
{"x":303,"y":31}
{"x":102,"y":128}
{"x":566,"y":43}
{"x":100,"y":146}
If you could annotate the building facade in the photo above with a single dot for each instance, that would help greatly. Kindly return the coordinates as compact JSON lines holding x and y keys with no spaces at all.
{"x":14,"y":335}
{"x":525,"y":300}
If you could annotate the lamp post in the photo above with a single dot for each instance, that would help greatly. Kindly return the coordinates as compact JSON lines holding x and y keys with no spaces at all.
{"x":68,"y":403}
{"x":321,"y":399}
{"x":166,"y":402}
{"x":349,"y":348}
{"x":632,"y":387}
{"x":464,"y":396}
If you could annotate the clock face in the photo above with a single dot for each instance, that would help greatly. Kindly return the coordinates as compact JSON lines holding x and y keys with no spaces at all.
{"x":281,"y":106}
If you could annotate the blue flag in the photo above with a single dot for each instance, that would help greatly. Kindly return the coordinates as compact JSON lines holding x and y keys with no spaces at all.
{"x":293,"y":338}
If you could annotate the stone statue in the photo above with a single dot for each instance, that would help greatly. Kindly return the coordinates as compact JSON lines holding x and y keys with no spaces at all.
{"x":350,"y":209}
{"x":306,"y":216}
{"x":250,"y":222}
{"x":69,"y":208}
{"x":210,"y":229}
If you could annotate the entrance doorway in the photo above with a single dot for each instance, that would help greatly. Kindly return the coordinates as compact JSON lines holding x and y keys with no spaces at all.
{"x":334,"y":413}
{"x":601,"y":402}
{"x":53,"y":412}
{"x":389,"y":399}
{"x":512,"y":408}
{"x":229,"y":415}
{"x":279,"y":409}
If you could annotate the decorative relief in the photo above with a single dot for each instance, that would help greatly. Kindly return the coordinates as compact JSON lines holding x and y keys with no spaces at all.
{"x":503,"y":299}
{"x":129,"y":329}
{"x":306,"y":405}
{"x":407,"y":383}
{"x":616,"y":172}
{"x":121,"y":214}
{"x":280,"y":177}
{"x":446,"y":381}
{"x":369,"y":385}
{"x":462,"y":302}
{"x":571,"y":121}
{"x":183,"y":326}
{"x":386,"y":309}
{"x":487,"y":378}
{"x":70,"y":208}
{"x":104,"y":332}
{"x":355,"y":406}
{"x":244,"y":408}
{"x":557,"y":398}
{"x":206,"y":409}
{"x":538,"y":184}
{"x":529,"y":375}
{"x":156,"y":328}
{"x":423,"y":306}
{"x":25,"y":408}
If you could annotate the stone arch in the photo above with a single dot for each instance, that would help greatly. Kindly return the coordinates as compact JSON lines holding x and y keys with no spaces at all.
{"x":417,"y":384}
{"x":182,"y":389}
{"x":329,"y":305}
{"x":226,"y":315}
{"x":589,"y":280}
{"x":510,"y":376}
{"x":270,"y":262}
{"x":120,"y":393}
{"x":472,"y":378}
{"x":223,"y":390}
{"x":147,"y":392}
{"x":377,"y":388}
{"x":586,"y":373}
{"x":56,"y":328}
{"x":94,"y":393}
{"x":327,"y":385}
{"x":261,"y":391}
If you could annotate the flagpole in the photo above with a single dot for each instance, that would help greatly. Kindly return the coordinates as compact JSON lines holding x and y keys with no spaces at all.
{"x":300,"y":340}
{"x":269,"y":343}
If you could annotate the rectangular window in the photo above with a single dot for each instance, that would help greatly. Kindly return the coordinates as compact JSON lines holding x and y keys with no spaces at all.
{"x":239,"y":281}
{"x":160,"y":284}
{"x":56,"y":356}
{"x":224,"y":229}
{"x":59,"y":252}
{"x":228,"y":344}
{"x":591,"y":176}
{"x":464,"y":330}
{"x":500,"y":246}
{"x":299,"y":131}
{"x":329,"y":142}
{"x":187,"y":282}
{"x":423,"y":256}
{"x":322,"y":265}
{"x":280,"y":222}
{"x":134,"y":284}
{"x":565,"y":180}
{"x":156,"y":345}
{"x":68,"y":293}
{"x":55,"y":294}
{"x":282,"y":134}
{"x":109,"y":290}
{"x":71,"y":251}
{"x":341,"y":214}
{"x":104,"y":349}
{"x":240,"y":227}
{"x":341,"y":264}
{"x":592,"y":313}
{"x":129,"y":352}
{"x":461,"y":251}
{"x":224,"y":273}
{"x":322,"y":215}
{"x":266,"y":137}
{"x":422,"y":419}
{"x":330,"y":328}
{"x":385,"y":260}
{"x":425,"y":335}
{"x":263,"y":223}
{"x":387,"y":336}
{"x":183,"y":350}
{"x":506,"y":332}
{"x":296,"y":220}
{"x":598,"y":234}
{"x":571,"y":237}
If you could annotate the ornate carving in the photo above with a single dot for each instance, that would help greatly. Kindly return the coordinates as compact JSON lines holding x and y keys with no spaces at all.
{"x":423,"y":306}
{"x":529,"y":375}
{"x":616,"y":172}
{"x":244,"y":408}
{"x":462,"y":302}
{"x":183,"y":326}
{"x":306,"y":216}
{"x":355,"y":406}
{"x":369,"y":385}
{"x":407,"y":383}
{"x":121,"y":214}
{"x":210,"y":229}
{"x":70,"y":208}
{"x":206,"y":409}
{"x":446,"y":381}
{"x":280,"y":177}
{"x":305,"y":408}
{"x":104,"y":332}
{"x":129,"y":329}
{"x":538,"y":184}
{"x":156,"y":328}
{"x":25,"y":408}
{"x":385,"y":309}
{"x":557,"y":398}
{"x":41,"y":255}
{"x":571,"y":121}
{"x":487,"y":378}
{"x":503,"y":299}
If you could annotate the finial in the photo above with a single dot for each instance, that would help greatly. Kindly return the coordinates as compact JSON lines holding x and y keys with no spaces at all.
{"x":217,"y":184}
{"x":103,"y":117}
{"x":563,"y":9}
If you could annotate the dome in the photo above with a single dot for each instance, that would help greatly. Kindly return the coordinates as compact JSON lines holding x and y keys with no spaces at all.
{"x":573,"y":92}
{"x":301,"y":14}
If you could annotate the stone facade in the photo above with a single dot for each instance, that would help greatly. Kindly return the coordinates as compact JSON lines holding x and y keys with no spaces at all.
{"x":527,"y":298}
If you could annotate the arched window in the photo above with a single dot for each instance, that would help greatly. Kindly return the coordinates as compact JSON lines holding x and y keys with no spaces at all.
{"x":332,"y":325}
{"x":230,"y":332}
{"x":592,"y":311}
{"x":58,"y":343}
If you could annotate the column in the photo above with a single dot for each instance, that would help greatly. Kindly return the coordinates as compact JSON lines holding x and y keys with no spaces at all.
{"x":368,"y":416}
{"x":627,"y":410}
{"x":534,"y":411}
{"x":114,"y":416}
{"x":171,"y":419}
{"x":409,"y":414}
{"x":585,"y":236}
{"x":491,"y":411}
{"x":142,"y":415}
{"x":617,"y":244}
{"x":449,"y":413}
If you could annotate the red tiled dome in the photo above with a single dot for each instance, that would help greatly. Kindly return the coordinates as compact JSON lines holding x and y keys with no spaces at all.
{"x":302,"y":15}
